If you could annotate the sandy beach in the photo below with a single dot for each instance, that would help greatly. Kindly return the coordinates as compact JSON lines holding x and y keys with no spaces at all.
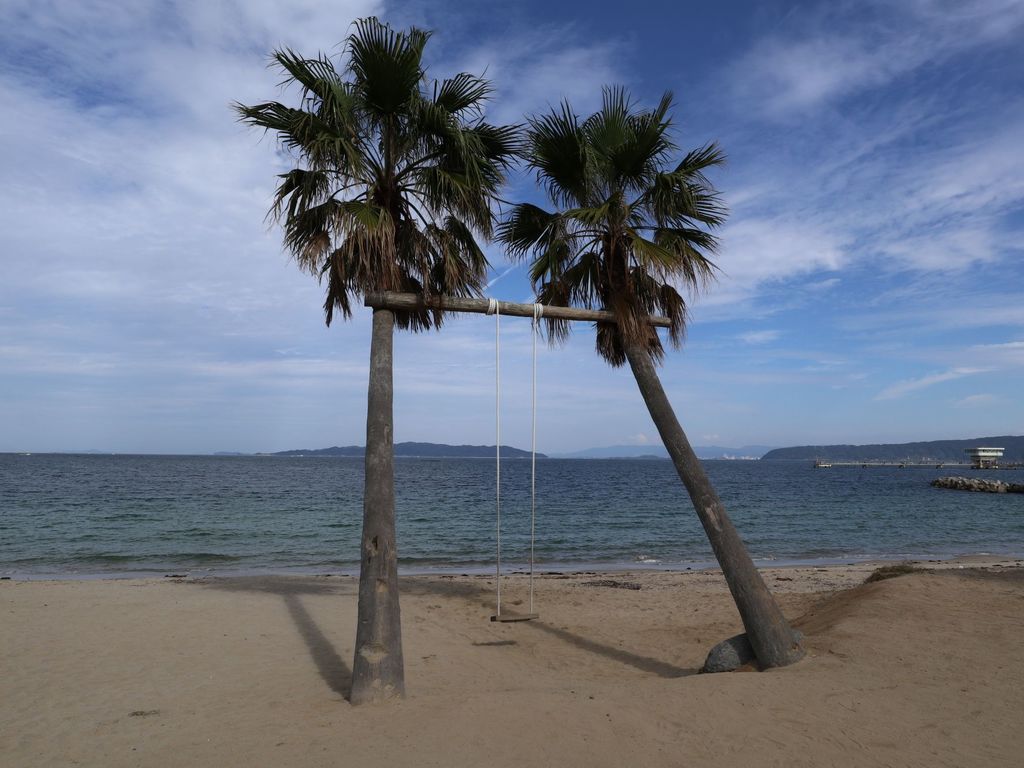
{"x":922,"y":670}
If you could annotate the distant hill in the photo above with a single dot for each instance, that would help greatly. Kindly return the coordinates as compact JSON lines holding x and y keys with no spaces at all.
{"x":934,"y":450}
{"x":659,"y":452}
{"x":421,"y":450}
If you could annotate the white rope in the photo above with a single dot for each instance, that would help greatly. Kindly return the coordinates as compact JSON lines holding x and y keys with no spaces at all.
{"x":494,"y":309}
{"x":538,"y":313}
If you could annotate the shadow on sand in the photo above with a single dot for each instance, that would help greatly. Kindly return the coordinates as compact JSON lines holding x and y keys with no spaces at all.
{"x":332,"y":668}
{"x":478,"y":595}
{"x":338,"y":675}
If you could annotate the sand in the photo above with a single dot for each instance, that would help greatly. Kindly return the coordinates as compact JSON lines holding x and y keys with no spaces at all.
{"x":922,"y":670}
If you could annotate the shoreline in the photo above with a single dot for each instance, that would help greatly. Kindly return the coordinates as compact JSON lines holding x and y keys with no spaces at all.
{"x":979,"y":559}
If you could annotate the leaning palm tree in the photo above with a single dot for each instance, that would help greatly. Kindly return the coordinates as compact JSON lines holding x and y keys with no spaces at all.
{"x":393,"y":181}
{"x":629,"y":231}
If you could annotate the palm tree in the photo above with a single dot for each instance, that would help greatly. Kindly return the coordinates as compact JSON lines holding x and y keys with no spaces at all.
{"x":393,"y":181}
{"x":628,"y":230}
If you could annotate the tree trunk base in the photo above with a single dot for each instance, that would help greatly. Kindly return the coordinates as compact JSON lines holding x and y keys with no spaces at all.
{"x":378,"y":671}
{"x":769,"y":634}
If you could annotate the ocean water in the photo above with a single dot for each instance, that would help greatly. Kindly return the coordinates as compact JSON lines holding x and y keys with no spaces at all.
{"x":92,"y":515}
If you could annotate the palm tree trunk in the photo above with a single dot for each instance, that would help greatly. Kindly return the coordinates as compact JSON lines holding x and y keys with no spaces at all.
{"x":767,"y":630}
{"x":378,"y":671}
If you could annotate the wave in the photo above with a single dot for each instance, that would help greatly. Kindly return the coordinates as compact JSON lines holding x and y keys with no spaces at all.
{"x":176,"y":558}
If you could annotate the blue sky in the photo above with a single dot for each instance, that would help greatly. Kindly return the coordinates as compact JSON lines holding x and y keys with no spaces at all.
{"x":871,"y":266}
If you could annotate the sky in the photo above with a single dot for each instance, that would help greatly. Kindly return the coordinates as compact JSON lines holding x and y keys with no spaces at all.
{"x":870,"y":269}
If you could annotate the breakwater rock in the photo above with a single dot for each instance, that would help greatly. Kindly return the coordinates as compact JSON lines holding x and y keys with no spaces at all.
{"x":975,"y":484}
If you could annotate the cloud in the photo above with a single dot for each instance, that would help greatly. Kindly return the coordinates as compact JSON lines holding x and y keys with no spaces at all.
{"x":899,"y":207}
{"x":1008,"y":355}
{"x":821,"y":286}
{"x":759,"y":337}
{"x":535,"y":67}
{"x":161,"y":193}
{"x":1015,"y":346}
{"x":793,"y":76}
{"x":876,"y":169}
{"x":826,"y":54}
{"x":976,"y":401}
{"x":756,"y":251}
{"x":925,"y":307}
{"x":902,"y":388}
{"x":497,"y":278}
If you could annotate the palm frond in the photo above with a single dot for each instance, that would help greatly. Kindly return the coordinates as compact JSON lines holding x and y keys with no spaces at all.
{"x":557,"y":150}
{"x":298,"y":190}
{"x":524,"y":228}
{"x":316,"y":76}
{"x":594,"y":216}
{"x":395,"y":179}
{"x":628,"y":227}
{"x":460,"y":264}
{"x":462,"y":93}
{"x":653,"y":256}
{"x":386,"y":65}
{"x":609,"y":128}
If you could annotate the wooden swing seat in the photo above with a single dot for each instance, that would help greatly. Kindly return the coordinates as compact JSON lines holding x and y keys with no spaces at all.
{"x":514,"y":616}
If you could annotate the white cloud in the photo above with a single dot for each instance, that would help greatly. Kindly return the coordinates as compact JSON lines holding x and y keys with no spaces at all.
{"x":937,"y":307}
{"x":821,"y":286}
{"x":976,"y":401}
{"x":500,"y":275}
{"x":535,"y":68}
{"x":824,"y":55}
{"x":902,"y":179}
{"x":129,"y":176}
{"x":756,"y":251}
{"x":759,"y":337}
{"x":902,"y":388}
{"x":793,"y":76}
{"x":1008,"y":355}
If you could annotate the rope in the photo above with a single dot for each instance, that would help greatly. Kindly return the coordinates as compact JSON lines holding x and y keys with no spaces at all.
{"x":494,"y":309}
{"x":538,"y":313}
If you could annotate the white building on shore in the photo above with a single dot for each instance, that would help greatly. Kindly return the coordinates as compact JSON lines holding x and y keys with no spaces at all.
{"x":984,"y":458}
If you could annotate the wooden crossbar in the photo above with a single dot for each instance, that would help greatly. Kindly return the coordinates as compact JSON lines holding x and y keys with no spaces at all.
{"x":417,"y":301}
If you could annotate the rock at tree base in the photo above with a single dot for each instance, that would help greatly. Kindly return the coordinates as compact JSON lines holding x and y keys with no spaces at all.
{"x":729,"y":655}
{"x":734,"y":652}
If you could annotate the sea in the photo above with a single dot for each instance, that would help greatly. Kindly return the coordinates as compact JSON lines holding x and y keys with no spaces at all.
{"x":87,"y":516}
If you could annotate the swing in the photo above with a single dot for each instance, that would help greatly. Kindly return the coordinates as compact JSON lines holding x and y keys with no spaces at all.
{"x":538,"y":313}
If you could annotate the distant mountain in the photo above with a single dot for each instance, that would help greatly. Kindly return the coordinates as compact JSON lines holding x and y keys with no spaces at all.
{"x":935,"y":450}
{"x":421,"y":450}
{"x":617,"y":452}
{"x":743,"y":452}
{"x":658,"y":451}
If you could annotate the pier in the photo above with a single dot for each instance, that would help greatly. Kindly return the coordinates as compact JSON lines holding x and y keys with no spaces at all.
{"x":979,"y":458}
{"x":900,"y":464}
{"x":821,"y":464}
